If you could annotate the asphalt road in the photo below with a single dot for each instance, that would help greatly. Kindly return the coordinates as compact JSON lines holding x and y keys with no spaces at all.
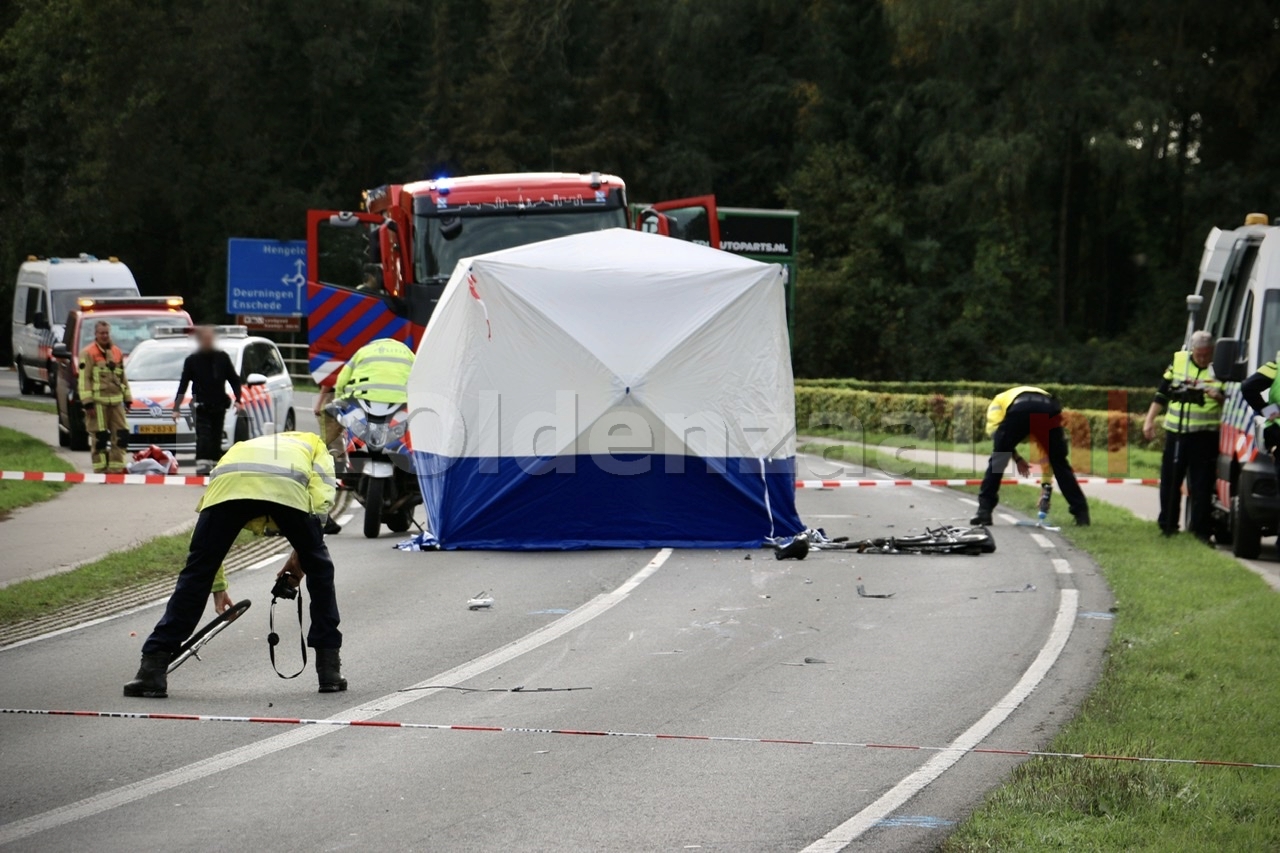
{"x":703,"y":643}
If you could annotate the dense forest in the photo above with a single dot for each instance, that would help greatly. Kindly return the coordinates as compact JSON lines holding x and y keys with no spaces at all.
{"x":989,"y":189}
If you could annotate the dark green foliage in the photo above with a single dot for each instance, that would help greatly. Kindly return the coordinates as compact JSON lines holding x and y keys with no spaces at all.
{"x":992,"y":190}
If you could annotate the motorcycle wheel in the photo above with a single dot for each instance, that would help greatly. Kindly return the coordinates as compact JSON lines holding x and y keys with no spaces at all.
{"x":399,"y":522}
{"x":373,"y":508}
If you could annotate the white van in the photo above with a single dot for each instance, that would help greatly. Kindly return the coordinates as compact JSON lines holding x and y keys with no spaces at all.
{"x":1239,"y":288}
{"x":45,"y":294}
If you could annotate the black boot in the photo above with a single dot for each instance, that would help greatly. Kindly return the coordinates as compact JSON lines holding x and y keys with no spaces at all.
{"x":152,"y":680}
{"x":329,"y":671}
{"x":982,"y":519}
{"x":1082,"y":518}
{"x":331,"y":527}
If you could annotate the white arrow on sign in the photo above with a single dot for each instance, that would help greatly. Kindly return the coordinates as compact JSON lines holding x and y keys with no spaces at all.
{"x":298,"y":279}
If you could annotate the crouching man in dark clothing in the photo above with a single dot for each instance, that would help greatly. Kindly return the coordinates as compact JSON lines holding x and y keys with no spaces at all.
{"x":288,"y":479}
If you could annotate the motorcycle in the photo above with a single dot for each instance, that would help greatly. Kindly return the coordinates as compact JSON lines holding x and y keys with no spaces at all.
{"x":380,"y":467}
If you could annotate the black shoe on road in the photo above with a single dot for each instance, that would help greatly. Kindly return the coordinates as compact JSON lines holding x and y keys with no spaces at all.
{"x":329,"y":671}
{"x":331,"y":527}
{"x":152,"y":680}
{"x":982,"y":519}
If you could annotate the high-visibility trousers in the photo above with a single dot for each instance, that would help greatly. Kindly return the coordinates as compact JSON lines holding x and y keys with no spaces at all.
{"x":108,"y":436}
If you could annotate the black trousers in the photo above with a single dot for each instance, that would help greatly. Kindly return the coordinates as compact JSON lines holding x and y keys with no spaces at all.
{"x":1040,"y":417}
{"x":1192,"y":456}
{"x":215,"y":532}
{"x":209,"y":425}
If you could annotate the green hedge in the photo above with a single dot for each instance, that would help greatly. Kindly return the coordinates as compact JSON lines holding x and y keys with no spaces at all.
{"x":938,"y":417}
{"x":1092,"y":397}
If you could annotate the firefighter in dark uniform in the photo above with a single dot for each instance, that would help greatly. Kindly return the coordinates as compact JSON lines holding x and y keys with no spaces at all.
{"x":1012,"y":417}
{"x":1192,"y":398}
{"x":208,"y":371}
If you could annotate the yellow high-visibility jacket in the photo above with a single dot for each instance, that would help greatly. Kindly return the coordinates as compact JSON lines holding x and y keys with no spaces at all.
{"x":1191,"y":417}
{"x":379,"y":372}
{"x":293,"y":469}
{"x":1002,"y":401}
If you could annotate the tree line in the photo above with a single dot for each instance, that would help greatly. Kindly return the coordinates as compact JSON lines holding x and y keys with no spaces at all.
{"x":989,"y":189}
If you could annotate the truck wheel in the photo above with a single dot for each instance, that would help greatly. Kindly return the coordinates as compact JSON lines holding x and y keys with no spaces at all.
{"x":79,"y":436}
{"x":26,"y":385}
{"x":373,"y":508}
{"x":1246,"y":535}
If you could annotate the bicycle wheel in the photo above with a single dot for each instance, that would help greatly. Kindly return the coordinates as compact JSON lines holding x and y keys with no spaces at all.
{"x":216,"y":626}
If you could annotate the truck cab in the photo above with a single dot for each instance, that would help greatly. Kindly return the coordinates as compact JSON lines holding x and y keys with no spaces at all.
{"x":1239,"y":304}
{"x":379,"y":272}
{"x":133,"y":319}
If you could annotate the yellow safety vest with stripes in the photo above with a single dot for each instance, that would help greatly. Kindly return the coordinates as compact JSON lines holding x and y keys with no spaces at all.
{"x":293,"y":469}
{"x":378,"y":372}
{"x":1192,"y":417}
{"x":1001,"y":402}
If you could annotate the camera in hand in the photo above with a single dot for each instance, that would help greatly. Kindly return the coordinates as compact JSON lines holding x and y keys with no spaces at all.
{"x":1187,"y":394}
{"x":284,"y":587}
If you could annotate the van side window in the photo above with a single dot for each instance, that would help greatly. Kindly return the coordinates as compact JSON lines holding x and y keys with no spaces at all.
{"x":20,"y":303}
{"x":35,"y":304}
{"x":1246,"y":324}
{"x":252,"y":361}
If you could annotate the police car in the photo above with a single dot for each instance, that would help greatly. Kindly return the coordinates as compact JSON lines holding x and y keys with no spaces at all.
{"x":154,"y":370}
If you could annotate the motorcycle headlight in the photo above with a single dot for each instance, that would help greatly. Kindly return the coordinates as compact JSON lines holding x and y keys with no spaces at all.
{"x":398,"y":429}
{"x":377,"y":437}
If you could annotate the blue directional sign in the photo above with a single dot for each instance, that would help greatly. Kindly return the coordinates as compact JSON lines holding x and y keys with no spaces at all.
{"x":266,"y":276}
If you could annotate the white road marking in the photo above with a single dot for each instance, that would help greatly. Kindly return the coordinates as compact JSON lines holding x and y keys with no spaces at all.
{"x":933,"y":489}
{"x":1042,"y":540}
{"x":345,"y":518}
{"x":1062,"y":567}
{"x":969,"y":501}
{"x":264,"y":562}
{"x":897,"y":796}
{"x":1006,"y":518}
{"x":143,"y":788}
{"x":832,"y":516}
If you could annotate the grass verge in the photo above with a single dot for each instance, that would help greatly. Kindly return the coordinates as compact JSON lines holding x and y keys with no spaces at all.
{"x":1192,"y":671}
{"x":1136,"y":462}
{"x":21,"y":452}
{"x":29,"y":405}
{"x":153,"y":560}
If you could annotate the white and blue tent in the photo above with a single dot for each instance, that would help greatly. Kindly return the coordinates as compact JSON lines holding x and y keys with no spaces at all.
{"x":606,"y":390}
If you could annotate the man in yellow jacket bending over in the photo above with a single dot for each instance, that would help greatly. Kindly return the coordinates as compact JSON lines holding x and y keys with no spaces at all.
{"x":1012,"y":417}
{"x":288,"y":479}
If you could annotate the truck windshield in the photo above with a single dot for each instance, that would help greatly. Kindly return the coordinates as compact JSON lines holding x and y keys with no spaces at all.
{"x":1269,"y":339}
{"x":157,"y":364}
{"x":437,"y":256}
{"x":64,"y":301}
{"x":128,"y":331}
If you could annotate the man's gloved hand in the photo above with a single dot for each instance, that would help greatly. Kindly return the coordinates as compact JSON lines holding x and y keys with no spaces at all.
{"x":1271,"y":438}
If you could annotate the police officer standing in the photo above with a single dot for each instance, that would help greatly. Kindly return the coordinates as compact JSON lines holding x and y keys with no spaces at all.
{"x":104,"y":392}
{"x":378,"y":372}
{"x":1012,"y":417}
{"x":1262,"y":392}
{"x":208,"y":371}
{"x":286,"y":478}
{"x":1192,"y":398}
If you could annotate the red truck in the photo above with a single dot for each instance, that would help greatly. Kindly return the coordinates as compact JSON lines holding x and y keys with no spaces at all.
{"x":133,"y":319}
{"x":384,"y":277}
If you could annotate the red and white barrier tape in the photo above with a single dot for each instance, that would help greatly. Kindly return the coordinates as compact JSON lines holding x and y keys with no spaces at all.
{"x":182,"y":480}
{"x":873,"y":484}
{"x":524,"y":730}
{"x":113,"y":479}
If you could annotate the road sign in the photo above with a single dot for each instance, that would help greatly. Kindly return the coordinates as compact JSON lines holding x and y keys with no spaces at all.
{"x":269,"y":323}
{"x":266,"y":276}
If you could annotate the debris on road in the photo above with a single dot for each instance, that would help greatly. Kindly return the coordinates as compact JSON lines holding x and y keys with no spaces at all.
{"x":1028,"y":588}
{"x":482,"y":601}
{"x":862,"y":593}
